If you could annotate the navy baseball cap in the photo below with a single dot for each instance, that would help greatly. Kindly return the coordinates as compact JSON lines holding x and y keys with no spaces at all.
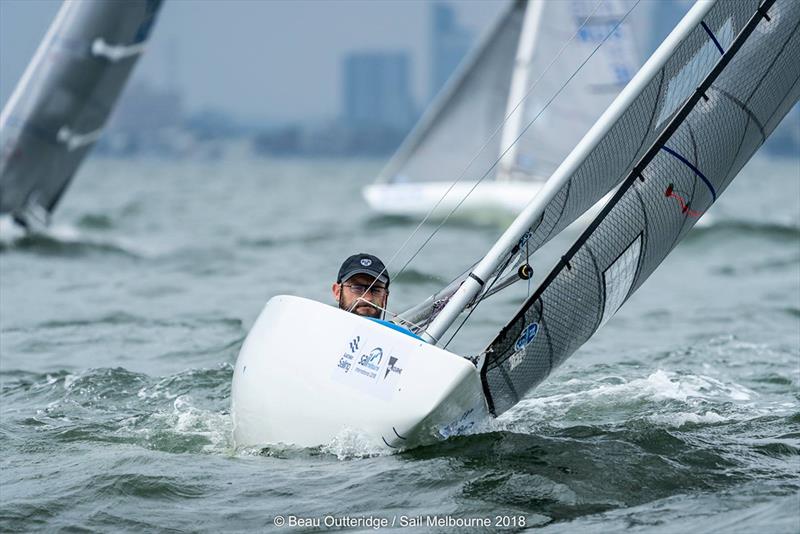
{"x":363,"y":264}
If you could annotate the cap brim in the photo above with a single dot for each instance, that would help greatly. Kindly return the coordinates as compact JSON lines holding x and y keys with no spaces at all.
{"x":350,"y":274}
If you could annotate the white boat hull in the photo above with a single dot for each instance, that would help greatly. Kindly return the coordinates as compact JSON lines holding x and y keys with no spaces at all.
{"x":308,"y":371}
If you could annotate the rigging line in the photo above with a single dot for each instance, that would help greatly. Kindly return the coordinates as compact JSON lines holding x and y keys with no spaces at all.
{"x":486,"y":144}
{"x":516,"y":140}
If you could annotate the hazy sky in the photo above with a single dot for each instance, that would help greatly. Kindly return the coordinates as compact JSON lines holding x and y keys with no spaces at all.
{"x":257,"y":59}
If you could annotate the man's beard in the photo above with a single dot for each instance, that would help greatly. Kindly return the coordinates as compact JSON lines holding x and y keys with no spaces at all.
{"x":361,"y":307}
{"x":367,"y":310}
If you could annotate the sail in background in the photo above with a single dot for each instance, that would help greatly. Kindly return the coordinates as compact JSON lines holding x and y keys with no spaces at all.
{"x":466,"y":111}
{"x":708,"y":142}
{"x":481,"y":94}
{"x":64,"y":99}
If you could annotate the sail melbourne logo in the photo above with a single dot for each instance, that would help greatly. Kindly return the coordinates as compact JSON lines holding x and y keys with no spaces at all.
{"x":527,"y":336}
{"x":373,"y":359}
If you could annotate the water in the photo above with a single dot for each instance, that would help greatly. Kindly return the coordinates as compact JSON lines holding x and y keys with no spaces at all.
{"x":119,"y":330}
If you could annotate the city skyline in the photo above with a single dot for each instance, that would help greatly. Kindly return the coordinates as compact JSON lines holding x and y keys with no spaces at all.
{"x":229,"y":70}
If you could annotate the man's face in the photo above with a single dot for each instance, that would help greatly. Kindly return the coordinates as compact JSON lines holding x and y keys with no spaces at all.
{"x":352,"y":293}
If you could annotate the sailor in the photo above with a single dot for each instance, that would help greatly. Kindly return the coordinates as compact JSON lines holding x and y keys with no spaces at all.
{"x":362,"y":286}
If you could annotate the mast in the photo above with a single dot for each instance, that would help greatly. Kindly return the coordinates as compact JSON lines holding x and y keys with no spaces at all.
{"x":484,"y":269}
{"x":519,"y":85}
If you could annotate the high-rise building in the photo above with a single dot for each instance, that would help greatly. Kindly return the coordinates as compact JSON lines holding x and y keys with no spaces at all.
{"x":377,"y":90}
{"x":449,"y":44}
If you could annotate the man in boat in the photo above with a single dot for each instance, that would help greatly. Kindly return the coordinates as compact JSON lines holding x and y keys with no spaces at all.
{"x":362,"y":286}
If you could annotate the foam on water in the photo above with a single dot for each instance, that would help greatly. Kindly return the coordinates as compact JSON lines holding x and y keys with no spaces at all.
{"x":658,"y":386}
{"x":186,"y":420}
{"x":66,"y":238}
{"x":350,"y":443}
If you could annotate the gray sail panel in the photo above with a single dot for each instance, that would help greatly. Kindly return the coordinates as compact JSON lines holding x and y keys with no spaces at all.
{"x":696,"y":158}
{"x":471,"y":104}
{"x":65,"y":97}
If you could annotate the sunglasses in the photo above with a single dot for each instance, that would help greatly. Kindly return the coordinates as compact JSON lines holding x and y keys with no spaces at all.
{"x":360,"y":289}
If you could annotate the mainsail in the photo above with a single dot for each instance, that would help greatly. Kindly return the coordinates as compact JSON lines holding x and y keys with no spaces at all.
{"x":63,"y":100}
{"x":722,"y":93}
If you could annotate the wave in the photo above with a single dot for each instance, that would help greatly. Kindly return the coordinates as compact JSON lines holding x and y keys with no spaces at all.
{"x":739,"y":229}
{"x":413,"y":276}
{"x":183,"y":413}
{"x":280,"y":241}
{"x":67,"y":241}
{"x":484,"y":220}
{"x":96,"y":221}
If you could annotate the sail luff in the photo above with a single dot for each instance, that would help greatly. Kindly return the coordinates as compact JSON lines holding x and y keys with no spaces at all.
{"x":535,"y":209}
{"x":519,"y":85}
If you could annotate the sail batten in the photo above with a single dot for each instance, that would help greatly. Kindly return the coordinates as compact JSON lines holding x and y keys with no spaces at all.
{"x":705,"y":143}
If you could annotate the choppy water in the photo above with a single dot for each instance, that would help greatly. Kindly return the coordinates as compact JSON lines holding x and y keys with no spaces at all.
{"x":119,"y":330}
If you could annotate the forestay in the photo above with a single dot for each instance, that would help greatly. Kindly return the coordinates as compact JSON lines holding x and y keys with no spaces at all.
{"x":60,"y":105}
{"x":686,"y":147}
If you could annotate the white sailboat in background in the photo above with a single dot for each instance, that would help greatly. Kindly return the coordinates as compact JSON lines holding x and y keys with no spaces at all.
{"x":535,"y":44}
{"x":670,"y":144}
{"x":60,"y":105}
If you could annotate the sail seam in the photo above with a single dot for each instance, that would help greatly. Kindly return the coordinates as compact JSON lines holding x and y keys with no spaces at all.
{"x":753,"y":92}
{"x":652,"y":114}
{"x":599,"y":275}
{"x":774,"y":112}
{"x":744,"y":108}
{"x":696,"y":155}
{"x":694,"y":169}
